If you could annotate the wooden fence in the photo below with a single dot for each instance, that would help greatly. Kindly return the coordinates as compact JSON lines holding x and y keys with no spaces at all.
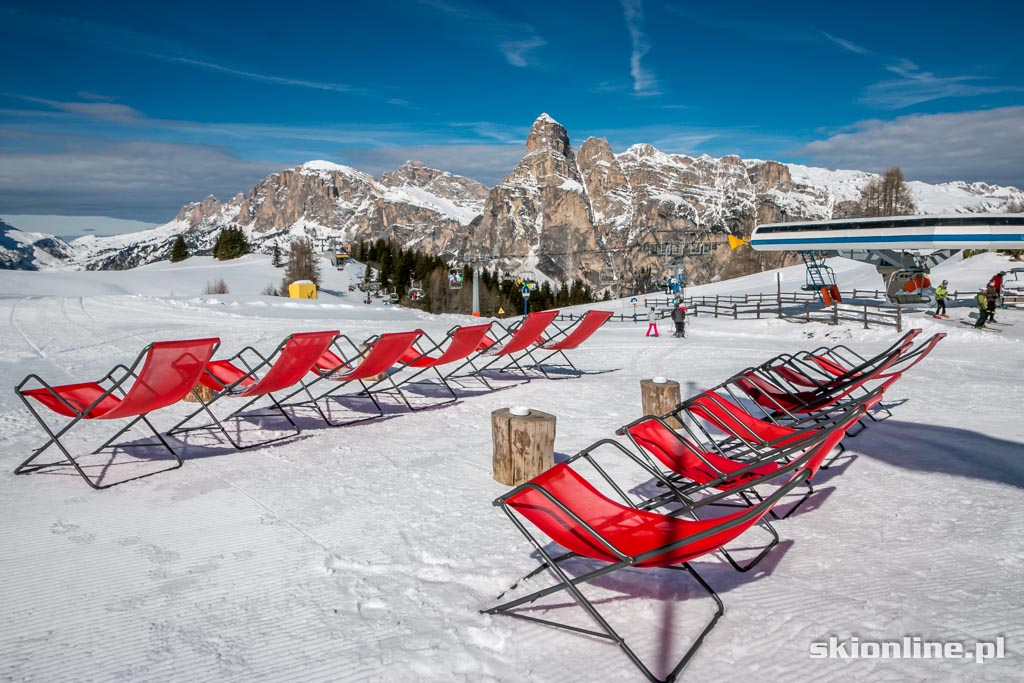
{"x":866,"y":307}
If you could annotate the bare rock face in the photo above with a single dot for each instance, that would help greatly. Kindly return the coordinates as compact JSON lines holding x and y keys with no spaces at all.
{"x":539,"y":216}
{"x":546,"y":134}
{"x":414,"y":205}
{"x":461,"y":191}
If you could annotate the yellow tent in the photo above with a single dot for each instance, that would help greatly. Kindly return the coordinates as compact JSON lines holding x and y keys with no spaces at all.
{"x":302,"y":289}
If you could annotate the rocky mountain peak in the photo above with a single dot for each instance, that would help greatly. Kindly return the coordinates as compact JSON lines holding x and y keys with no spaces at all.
{"x":594,"y":150}
{"x":548,"y":134}
{"x":414,"y":173}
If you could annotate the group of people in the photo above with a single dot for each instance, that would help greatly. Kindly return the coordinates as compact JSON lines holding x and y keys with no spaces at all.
{"x":987,"y":299}
{"x":678,"y":318}
{"x":675,"y":286}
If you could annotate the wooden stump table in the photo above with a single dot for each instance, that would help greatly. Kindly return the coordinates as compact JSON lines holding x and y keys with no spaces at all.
{"x":659,"y":398}
{"x":205,"y":393}
{"x":524,"y":445}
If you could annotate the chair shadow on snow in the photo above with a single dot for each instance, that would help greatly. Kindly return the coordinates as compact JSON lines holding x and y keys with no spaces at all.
{"x":207,"y":443}
{"x":130,"y":457}
{"x":931,"y":448}
{"x":638,"y":601}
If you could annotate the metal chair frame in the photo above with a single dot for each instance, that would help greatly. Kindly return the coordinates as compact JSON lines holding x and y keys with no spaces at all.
{"x":552,"y":563}
{"x":115,"y":381}
{"x":253,"y":362}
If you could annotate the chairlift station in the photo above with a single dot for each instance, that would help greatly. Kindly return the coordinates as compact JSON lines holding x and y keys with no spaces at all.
{"x":891,"y":244}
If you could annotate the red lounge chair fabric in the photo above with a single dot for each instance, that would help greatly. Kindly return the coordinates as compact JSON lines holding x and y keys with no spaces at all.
{"x":169,"y":371}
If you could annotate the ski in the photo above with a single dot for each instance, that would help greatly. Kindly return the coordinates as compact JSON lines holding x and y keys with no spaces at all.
{"x":971,"y":325}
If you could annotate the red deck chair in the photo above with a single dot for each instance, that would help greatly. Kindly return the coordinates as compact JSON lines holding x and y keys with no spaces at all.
{"x":169,"y":372}
{"x":368,"y":368}
{"x":776,"y":398}
{"x":250,"y":375}
{"x":570,"y":511}
{"x":743,"y":431}
{"x":833,"y":363}
{"x":571,"y":338}
{"x":515,"y":342}
{"x":460,"y":343}
{"x":850,"y":357}
{"x":707,"y":468}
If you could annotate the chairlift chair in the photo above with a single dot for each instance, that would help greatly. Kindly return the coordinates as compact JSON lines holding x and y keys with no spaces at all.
{"x":609,"y":276}
{"x":909,"y":286}
{"x":416,"y":292}
{"x":455,"y":278}
{"x":528,"y":278}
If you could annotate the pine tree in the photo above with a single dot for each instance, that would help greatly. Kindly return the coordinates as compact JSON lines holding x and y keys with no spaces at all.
{"x":179,"y":251}
{"x":231,"y":243}
{"x":275,"y":257}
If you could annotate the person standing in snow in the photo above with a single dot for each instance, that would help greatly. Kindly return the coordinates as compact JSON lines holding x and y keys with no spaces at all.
{"x":652,"y":325}
{"x":997,"y":282}
{"x":941,"y":293}
{"x":679,"y":318}
{"x":982,"y":302}
{"x":992,"y":297}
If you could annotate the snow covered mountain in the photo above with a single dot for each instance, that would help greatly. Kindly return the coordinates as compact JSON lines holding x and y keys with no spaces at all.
{"x":321,"y":200}
{"x":21,"y":250}
{"x":561,"y":212}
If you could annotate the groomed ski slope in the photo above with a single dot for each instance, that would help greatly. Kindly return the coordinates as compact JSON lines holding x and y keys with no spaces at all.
{"x":364,"y":553}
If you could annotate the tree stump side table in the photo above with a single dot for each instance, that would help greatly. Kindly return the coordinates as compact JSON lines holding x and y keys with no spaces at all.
{"x":659,"y":398}
{"x":524,"y":445}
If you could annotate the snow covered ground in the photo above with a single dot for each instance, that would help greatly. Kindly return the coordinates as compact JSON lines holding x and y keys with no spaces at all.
{"x":364,"y":553}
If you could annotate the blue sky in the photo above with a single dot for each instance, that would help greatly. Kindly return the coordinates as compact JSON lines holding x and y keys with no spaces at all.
{"x":132,"y":109}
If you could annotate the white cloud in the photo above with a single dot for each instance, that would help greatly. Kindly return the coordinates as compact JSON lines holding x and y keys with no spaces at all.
{"x":515,"y":39}
{"x":265,"y":78}
{"x":106,"y":111}
{"x":515,"y":50}
{"x":846,"y":44}
{"x":644,"y":80}
{"x":116,"y":39}
{"x":915,"y":86}
{"x":975,"y":146}
{"x":138,"y":180}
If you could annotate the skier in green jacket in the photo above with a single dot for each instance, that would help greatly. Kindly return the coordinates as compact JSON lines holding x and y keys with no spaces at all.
{"x":941,"y":293}
{"x":982,"y":302}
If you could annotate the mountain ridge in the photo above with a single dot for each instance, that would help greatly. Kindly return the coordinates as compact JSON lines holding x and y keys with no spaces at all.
{"x":562,"y":211}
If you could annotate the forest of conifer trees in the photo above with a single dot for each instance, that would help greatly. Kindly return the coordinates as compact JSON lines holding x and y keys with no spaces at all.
{"x":396,"y":270}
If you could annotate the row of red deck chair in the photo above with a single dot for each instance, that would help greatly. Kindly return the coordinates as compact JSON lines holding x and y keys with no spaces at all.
{"x":305,"y":369}
{"x":748,"y":443}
